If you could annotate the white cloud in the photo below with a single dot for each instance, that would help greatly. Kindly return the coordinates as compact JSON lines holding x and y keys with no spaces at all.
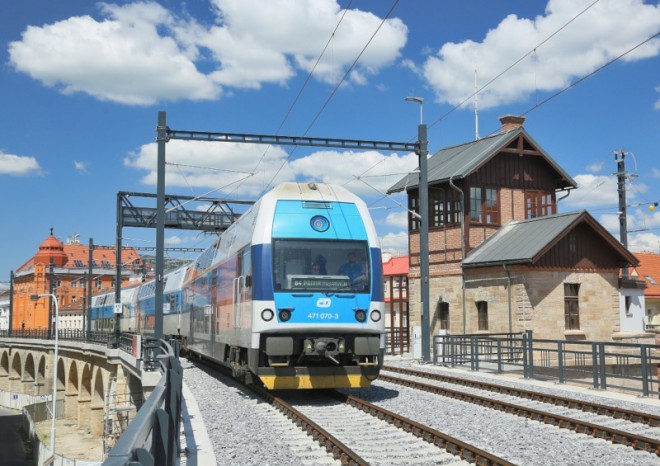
{"x":377,"y":172}
{"x":122,"y":58}
{"x":398,"y":219}
{"x":141,"y":53}
{"x":225,"y":168}
{"x":595,"y":167}
{"x":396,"y":243}
{"x":80,"y":166}
{"x":593,"y":191}
{"x":604,"y":32}
{"x":18,"y":165}
{"x":173,"y":240}
{"x":644,"y":242}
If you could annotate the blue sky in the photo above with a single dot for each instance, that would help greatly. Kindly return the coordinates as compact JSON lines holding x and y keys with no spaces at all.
{"x":81,"y":84}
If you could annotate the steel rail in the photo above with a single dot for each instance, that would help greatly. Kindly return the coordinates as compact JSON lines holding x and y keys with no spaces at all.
{"x":452,"y":445}
{"x":615,"y":436}
{"x":586,"y":406}
{"x":331,"y":444}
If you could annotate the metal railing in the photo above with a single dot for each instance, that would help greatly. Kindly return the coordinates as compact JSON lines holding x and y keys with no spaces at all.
{"x":601,"y":365}
{"x":401,"y":340}
{"x":152,"y":437}
{"x":102,"y":338}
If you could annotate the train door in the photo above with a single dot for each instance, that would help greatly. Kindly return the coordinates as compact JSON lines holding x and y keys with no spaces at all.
{"x":214,"y":307}
{"x":241,"y":295}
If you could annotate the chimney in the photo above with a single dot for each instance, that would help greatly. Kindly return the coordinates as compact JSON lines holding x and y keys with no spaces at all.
{"x":511,"y":122}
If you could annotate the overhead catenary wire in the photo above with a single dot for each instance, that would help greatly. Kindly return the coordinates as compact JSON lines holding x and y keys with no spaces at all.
{"x":573,"y":84}
{"x":487,"y":84}
{"x":532,"y":51}
{"x":334,"y":91}
{"x":303,"y":86}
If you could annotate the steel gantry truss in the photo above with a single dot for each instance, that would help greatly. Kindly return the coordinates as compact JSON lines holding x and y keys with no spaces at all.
{"x":219,"y":215}
{"x":165,"y":134}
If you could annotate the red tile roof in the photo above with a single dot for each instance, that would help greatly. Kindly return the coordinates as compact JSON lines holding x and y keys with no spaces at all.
{"x":77,"y":256}
{"x":648,"y":270}
{"x":396,"y":266}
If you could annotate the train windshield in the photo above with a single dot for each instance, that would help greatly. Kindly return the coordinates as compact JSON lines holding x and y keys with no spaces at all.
{"x":318,"y":265}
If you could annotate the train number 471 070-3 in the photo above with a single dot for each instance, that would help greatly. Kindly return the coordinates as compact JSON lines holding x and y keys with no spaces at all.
{"x":323,"y":316}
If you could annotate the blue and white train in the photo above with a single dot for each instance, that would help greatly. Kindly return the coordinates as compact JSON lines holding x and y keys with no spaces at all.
{"x":275,"y":297}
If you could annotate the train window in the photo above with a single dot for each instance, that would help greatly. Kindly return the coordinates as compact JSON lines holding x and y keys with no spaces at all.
{"x":321,"y":265}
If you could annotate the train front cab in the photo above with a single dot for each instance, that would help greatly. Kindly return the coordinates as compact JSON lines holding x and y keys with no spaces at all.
{"x":325,"y":331}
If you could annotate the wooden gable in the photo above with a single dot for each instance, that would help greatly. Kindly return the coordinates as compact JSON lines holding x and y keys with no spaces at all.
{"x":518,"y":165}
{"x":582,"y":248}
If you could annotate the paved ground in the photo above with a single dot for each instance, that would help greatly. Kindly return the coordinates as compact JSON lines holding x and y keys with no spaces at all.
{"x":71,"y":441}
{"x":12,"y":452}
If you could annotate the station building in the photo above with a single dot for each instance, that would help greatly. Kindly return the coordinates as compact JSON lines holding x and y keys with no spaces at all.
{"x":648,"y":271}
{"x":397,"y":309}
{"x":63,"y":269}
{"x":502,"y":259}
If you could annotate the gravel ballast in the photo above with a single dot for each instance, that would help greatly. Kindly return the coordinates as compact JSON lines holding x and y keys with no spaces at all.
{"x":244,"y":431}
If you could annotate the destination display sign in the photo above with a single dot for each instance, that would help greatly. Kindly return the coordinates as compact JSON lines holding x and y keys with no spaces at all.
{"x":315,"y":282}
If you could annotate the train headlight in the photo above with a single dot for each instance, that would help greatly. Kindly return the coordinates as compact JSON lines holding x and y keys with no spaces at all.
{"x":360,"y":315}
{"x":375,"y":315}
{"x":267,"y":315}
{"x":285,"y":315}
{"x":319,"y":223}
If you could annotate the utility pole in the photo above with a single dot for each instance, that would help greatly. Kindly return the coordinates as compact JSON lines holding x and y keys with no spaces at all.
{"x":11,"y":301}
{"x":88,"y":295}
{"x":51,"y":291}
{"x":620,"y":157}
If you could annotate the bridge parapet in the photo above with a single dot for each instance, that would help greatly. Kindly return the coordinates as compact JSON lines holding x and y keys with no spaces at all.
{"x":101,"y":388}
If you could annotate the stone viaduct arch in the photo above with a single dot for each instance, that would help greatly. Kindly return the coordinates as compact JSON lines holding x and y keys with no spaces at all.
{"x":89,"y":379}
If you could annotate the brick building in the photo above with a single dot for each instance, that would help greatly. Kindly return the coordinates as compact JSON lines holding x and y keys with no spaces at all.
{"x":395,"y":288}
{"x":501,"y":259}
{"x":63,"y":268}
{"x":648,"y":271}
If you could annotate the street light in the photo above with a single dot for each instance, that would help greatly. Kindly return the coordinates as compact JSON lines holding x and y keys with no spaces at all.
{"x":53,"y":297}
{"x":420,"y":101}
{"x":423,"y":152}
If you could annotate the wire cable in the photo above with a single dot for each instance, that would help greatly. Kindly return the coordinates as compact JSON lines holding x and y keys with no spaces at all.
{"x":334,"y":91}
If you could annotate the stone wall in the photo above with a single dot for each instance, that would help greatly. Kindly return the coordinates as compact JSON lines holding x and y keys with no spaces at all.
{"x":536,"y":302}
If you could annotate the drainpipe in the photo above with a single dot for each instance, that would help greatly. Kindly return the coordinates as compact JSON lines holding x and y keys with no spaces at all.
{"x":460,"y":191}
{"x":568,"y":193}
{"x":508,"y":286}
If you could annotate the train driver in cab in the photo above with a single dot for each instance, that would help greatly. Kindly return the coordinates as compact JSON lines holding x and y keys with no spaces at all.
{"x":354,"y":271}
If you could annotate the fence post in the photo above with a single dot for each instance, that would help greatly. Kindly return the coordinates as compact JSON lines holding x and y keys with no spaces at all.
{"x":159,"y":437}
{"x":474,"y":353}
{"x":603,"y":367}
{"x":560,"y":361}
{"x":452,"y":346}
{"x":645,"y":370}
{"x":499,"y":356}
{"x":530,"y":347}
{"x":524,"y":354}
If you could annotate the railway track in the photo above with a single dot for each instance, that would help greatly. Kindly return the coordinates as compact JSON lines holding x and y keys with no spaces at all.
{"x":638,"y":430}
{"x":360,"y":433}
{"x":354,"y":432}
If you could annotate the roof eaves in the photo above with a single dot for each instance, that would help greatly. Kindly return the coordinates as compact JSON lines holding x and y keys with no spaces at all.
{"x":496,"y":263}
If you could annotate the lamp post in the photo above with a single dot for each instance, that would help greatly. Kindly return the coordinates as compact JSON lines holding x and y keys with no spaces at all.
{"x":53,"y":298}
{"x":424,"y":230}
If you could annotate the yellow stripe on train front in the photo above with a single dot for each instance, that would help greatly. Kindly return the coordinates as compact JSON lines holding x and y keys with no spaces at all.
{"x":302,"y":382}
